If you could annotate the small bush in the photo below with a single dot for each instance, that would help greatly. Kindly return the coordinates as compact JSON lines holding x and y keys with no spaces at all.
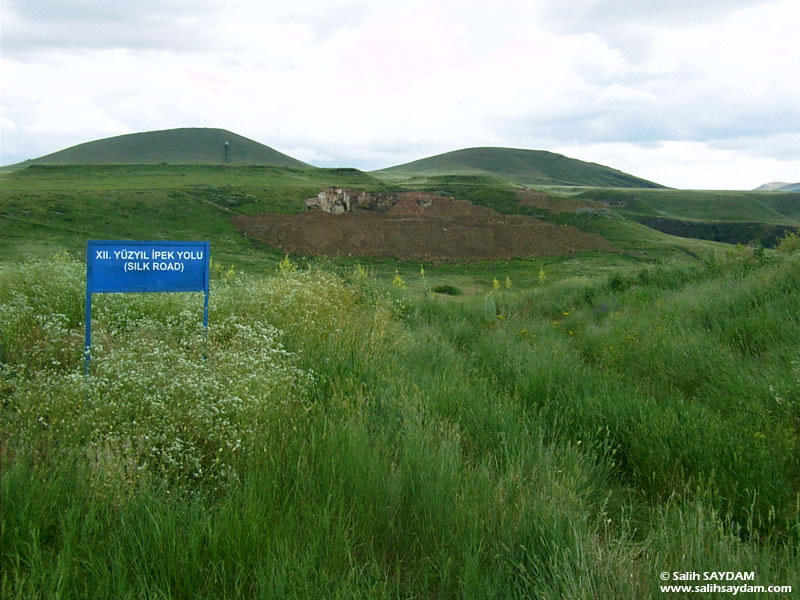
{"x":448,"y":290}
{"x":789,"y":243}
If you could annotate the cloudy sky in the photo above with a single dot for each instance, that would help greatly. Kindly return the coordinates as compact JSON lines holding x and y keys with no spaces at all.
{"x":688,"y":93}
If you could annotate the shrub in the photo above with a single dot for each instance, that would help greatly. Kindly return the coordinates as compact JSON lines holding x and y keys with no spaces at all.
{"x":448,"y":290}
{"x":789,"y":243}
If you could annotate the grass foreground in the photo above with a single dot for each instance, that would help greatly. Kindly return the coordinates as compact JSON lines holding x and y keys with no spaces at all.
{"x":333,"y":436}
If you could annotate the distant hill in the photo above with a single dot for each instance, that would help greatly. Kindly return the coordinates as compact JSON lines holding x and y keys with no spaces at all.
{"x":193,"y":145}
{"x":778,"y":186}
{"x":771,"y":186}
{"x":527,"y":167}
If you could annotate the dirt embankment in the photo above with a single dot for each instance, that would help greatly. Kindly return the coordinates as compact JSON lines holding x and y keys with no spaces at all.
{"x":420,"y":226}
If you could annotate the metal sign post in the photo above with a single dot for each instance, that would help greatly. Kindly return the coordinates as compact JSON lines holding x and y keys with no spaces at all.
{"x":136,"y":266}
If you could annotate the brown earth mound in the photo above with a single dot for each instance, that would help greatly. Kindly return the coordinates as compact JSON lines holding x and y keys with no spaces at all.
{"x":419,"y":226}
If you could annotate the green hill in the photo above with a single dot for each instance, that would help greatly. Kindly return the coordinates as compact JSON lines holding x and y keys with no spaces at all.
{"x":526,"y":167}
{"x":192,"y":145}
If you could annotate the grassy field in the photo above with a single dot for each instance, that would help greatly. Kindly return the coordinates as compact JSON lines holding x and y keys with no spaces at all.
{"x":568,"y":427}
{"x":334,"y":436}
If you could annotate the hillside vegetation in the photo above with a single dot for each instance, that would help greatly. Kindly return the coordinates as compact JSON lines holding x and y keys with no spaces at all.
{"x":332,"y":437}
{"x":44,"y":209}
{"x":558,"y":427}
{"x":703,"y":205}
{"x":178,"y":146}
{"x":525,"y":167}
{"x":761,"y":218}
{"x":757,"y":217}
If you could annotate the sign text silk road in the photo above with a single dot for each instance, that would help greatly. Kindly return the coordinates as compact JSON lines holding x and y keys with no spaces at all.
{"x":119,"y":266}
{"x":114,"y":266}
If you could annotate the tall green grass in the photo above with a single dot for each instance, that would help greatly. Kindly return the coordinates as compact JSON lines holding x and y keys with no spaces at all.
{"x":341,"y":439}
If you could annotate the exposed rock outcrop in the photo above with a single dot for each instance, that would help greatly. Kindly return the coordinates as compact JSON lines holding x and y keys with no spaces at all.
{"x":338,"y":200}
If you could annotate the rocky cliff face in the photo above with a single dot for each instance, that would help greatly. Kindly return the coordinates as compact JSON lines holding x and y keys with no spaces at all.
{"x":337,"y":201}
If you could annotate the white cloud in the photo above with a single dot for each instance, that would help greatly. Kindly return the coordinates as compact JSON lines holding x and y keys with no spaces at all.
{"x":689,"y":165}
{"x":591,"y":14}
{"x":373,"y":84}
{"x":31,"y":27}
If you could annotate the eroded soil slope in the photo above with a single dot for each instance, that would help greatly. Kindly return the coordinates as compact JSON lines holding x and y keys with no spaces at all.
{"x":418,"y":225}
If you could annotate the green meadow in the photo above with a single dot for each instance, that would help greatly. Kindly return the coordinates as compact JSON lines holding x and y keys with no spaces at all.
{"x":560,"y":427}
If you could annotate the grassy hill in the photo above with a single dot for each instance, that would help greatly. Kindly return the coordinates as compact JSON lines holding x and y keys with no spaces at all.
{"x":192,"y":145}
{"x":525,"y":167}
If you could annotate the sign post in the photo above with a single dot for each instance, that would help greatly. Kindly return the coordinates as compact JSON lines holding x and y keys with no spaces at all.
{"x":136,"y":266}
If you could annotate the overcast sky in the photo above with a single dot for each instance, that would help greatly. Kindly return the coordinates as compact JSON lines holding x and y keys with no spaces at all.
{"x":688,"y":93}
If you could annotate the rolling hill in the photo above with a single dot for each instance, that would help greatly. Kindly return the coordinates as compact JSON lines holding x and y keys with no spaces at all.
{"x":193,"y":145}
{"x":526,"y":167}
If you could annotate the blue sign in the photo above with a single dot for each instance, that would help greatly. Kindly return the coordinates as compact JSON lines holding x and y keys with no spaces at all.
{"x":120,"y":266}
{"x":113,"y":266}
